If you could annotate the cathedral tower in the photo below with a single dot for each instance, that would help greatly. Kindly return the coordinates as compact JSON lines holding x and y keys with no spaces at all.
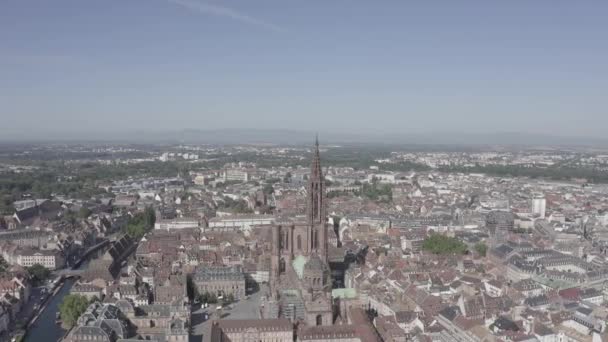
{"x":315,"y":206}
{"x":316,"y":190}
{"x":305,"y":240}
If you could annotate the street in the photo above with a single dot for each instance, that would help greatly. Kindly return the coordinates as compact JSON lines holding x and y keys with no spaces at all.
{"x":243,"y":309}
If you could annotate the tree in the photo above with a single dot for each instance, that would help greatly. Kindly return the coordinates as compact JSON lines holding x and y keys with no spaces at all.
{"x":141,"y":223}
{"x":70,"y":218}
{"x":481,"y":248}
{"x":376,"y":192}
{"x":38,"y":273}
{"x":135,"y":228}
{"x":71,"y":308}
{"x":229,"y":298}
{"x":204,"y":297}
{"x":149,"y":217}
{"x":84,"y":212}
{"x":441,"y":244}
{"x":287,"y":178}
{"x":212,"y":298}
{"x":237,"y":207}
{"x":208,"y":297}
{"x":268,"y":189}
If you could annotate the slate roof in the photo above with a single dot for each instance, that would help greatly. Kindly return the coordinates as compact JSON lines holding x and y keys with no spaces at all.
{"x":504,"y":323}
{"x":450,"y":312}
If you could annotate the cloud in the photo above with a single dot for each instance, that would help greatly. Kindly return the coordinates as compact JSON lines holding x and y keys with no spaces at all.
{"x":221,"y":11}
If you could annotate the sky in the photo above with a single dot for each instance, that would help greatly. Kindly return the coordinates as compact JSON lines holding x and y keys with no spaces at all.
{"x":99,"y":66}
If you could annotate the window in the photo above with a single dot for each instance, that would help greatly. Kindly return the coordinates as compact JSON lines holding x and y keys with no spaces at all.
{"x":319,"y":320}
{"x":299,"y":242}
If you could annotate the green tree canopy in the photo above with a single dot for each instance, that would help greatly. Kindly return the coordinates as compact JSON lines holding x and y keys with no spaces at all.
{"x":71,"y":308}
{"x":38,"y":273}
{"x":84,"y":212}
{"x":442,"y":244}
{"x":376,"y":192}
{"x":207,"y":297}
{"x":268,"y":189}
{"x":228,"y":299}
{"x":481,"y":248}
{"x":237,"y":207}
{"x":141,"y":223}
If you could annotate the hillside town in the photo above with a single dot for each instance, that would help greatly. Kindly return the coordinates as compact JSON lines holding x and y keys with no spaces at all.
{"x":300,"y":243}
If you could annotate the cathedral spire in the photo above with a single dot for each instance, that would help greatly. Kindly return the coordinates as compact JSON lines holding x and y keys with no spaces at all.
{"x":316,"y":173}
{"x":316,"y":188}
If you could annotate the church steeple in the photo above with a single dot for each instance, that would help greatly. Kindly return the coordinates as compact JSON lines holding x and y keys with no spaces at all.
{"x":316,"y":189}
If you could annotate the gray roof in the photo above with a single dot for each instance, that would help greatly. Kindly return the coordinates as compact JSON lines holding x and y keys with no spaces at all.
{"x":218,"y":273}
{"x":315,"y":264}
{"x":157,"y":310}
{"x":85,"y":288}
{"x":450,"y":312}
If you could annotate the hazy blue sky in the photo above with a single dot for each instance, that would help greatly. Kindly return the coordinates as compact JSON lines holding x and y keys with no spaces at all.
{"x":388,"y":66}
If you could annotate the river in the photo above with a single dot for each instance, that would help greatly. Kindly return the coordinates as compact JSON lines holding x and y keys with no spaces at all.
{"x":45,"y":328}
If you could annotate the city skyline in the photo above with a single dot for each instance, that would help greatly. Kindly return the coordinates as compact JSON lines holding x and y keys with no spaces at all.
{"x":282,"y":171}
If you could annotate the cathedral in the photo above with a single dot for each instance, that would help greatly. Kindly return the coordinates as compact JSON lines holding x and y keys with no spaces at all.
{"x":300,"y":277}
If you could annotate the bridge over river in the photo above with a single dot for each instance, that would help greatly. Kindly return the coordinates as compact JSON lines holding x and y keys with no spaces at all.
{"x":43,"y":327}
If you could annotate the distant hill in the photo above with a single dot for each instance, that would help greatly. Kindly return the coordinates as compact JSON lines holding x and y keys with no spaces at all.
{"x":299,"y":137}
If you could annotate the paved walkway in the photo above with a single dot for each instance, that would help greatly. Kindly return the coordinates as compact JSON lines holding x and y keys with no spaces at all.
{"x":244,"y":309}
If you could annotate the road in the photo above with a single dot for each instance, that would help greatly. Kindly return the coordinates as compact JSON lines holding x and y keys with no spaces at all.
{"x":243,"y":309}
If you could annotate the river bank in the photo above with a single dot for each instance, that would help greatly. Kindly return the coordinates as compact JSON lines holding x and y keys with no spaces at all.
{"x":44,"y":327}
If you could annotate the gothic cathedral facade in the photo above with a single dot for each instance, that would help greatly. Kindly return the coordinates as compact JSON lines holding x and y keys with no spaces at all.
{"x":299,"y":260}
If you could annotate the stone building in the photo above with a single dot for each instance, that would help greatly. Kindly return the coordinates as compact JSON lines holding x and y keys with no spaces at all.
{"x":259,"y":330}
{"x":158,"y":322}
{"x":89,"y":291}
{"x":300,"y":278}
{"x":220,"y":280}
{"x":51,"y":259}
{"x":26,"y":237}
{"x":100,"y":322}
{"x":499,"y":224}
{"x":171,"y":291}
